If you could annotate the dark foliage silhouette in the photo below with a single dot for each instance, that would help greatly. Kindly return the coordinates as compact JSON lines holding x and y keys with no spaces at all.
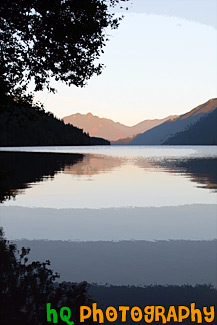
{"x":48,"y":40}
{"x":42,"y":39}
{"x":23,"y":123}
{"x":25,"y":288}
{"x":156,"y":295}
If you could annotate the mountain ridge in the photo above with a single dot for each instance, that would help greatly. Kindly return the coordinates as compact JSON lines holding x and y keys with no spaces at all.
{"x":162,"y":133}
{"x":23,"y":124}
{"x":203,"y":132}
{"x":109,"y":129}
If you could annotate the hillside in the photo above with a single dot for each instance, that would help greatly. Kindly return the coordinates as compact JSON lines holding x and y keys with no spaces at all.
{"x":23,"y":124}
{"x":108,"y":129}
{"x":203,"y":132}
{"x":122,"y":141}
{"x":160,"y":134}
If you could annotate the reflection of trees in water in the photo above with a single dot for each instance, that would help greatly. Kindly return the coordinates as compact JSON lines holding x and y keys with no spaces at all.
{"x":27,"y":287}
{"x":19,"y":169}
{"x":156,"y":295}
{"x":94,"y":164}
{"x":202,"y":171}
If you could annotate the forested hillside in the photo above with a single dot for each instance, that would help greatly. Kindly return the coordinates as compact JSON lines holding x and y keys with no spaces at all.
{"x":203,"y":132}
{"x":25,"y":124}
{"x":162,"y":133}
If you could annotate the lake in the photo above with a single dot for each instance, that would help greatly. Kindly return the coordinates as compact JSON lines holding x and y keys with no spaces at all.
{"x":115,"y":214}
{"x":121,"y":176}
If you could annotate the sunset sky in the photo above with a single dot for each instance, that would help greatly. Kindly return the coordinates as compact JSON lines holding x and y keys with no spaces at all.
{"x":161,"y":61}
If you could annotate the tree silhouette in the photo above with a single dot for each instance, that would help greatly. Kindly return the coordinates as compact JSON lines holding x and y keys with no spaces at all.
{"x":25,"y":288}
{"x":40,"y":39}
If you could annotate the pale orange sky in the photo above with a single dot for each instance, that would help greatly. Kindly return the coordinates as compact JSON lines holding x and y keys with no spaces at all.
{"x":161,"y":61}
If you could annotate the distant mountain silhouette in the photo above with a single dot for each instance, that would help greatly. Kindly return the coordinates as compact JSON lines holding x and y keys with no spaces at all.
{"x":203,"y":132}
{"x":23,"y":124}
{"x":108,"y":129}
{"x":162,"y":134}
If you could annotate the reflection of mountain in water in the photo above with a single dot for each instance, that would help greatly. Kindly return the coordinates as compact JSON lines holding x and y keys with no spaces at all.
{"x":19,"y":169}
{"x":94,"y":164}
{"x":202,"y":171}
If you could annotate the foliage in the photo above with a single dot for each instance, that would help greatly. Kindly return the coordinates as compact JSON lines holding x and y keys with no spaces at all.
{"x":41,"y":39}
{"x":25,"y":288}
{"x":23,"y":123}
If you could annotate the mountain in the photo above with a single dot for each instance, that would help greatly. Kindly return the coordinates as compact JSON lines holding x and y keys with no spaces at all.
{"x":123,"y":141}
{"x":108,"y":129}
{"x":203,"y":132}
{"x":23,"y":124}
{"x":161,"y":134}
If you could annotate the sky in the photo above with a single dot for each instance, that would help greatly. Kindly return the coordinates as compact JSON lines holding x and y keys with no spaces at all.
{"x":161,"y":61}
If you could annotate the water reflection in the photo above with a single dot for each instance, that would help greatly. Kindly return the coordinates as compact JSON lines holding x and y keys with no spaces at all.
{"x":175,"y":262}
{"x":94,"y":164}
{"x":156,"y":180}
{"x":18,"y":170}
{"x":28,"y":286}
{"x":202,"y":171}
{"x":139,"y":177}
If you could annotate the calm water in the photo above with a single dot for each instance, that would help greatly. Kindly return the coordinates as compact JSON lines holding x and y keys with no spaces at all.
{"x":113,"y":176}
{"x":96,"y":212}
